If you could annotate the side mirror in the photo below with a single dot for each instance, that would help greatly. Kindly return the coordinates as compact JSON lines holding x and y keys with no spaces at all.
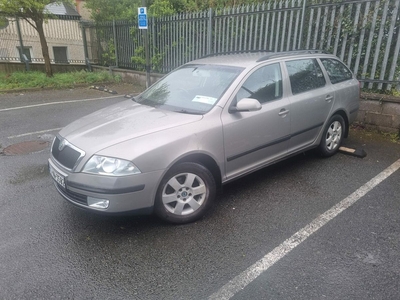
{"x":246,"y":104}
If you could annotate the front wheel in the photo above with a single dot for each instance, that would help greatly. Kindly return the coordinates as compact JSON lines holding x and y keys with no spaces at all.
{"x":185,"y":193}
{"x":332,"y":137}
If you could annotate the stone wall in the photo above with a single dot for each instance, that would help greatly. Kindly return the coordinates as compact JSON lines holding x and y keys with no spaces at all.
{"x":381,"y":112}
{"x":10,"y":67}
{"x":130,"y":76}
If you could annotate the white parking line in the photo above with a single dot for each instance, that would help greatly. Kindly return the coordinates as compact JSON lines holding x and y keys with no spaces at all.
{"x":242,"y":280}
{"x":59,"y":102}
{"x":36,"y":132}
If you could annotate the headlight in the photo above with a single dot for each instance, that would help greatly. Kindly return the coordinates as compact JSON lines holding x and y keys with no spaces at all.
{"x":110,"y":166}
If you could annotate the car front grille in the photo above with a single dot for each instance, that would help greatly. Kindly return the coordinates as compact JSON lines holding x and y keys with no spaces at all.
{"x":67,"y":156}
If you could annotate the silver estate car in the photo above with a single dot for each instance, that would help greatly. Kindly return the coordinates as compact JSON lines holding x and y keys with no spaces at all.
{"x":206,"y":123}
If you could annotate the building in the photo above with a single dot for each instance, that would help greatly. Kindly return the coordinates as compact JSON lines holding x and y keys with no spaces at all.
{"x":82,"y":10}
{"x":63,"y":35}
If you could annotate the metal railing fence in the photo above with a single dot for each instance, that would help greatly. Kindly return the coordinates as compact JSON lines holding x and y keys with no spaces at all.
{"x":363,"y":33}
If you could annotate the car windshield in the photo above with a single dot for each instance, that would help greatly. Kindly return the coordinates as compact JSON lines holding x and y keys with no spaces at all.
{"x":192,"y":89}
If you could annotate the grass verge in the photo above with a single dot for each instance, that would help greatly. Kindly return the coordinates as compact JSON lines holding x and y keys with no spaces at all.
{"x":34,"y":79}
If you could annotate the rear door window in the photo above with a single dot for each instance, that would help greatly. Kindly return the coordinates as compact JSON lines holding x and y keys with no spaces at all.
{"x":336,"y":70}
{"x":305,"y":75}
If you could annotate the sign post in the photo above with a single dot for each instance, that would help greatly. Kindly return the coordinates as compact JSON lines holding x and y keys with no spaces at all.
{"x":143,"y":25}
{"x":142,"y":17}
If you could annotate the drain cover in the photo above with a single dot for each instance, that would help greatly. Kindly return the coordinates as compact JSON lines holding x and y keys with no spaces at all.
{"x":25,"y":147}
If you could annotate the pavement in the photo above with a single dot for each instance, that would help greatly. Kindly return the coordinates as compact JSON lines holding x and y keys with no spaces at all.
{"x":87,"y":91}
{"x":31,"y":98}
{"x":305,"y":228}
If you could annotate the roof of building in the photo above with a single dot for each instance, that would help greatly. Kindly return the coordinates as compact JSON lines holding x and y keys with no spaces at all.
{"x":63,"y":10}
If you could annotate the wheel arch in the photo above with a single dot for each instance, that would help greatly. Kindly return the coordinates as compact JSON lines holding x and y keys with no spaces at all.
{"x":343,"y":114}
{"x":206,"y":161}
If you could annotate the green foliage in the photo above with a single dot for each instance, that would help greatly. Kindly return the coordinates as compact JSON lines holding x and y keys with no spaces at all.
{"x":139,"y":58}
{"x":108,"y":10}
{"x":351,"y":25}
{"x":109,"y":55}
{"x":157,"y":62}
{"x":393,"y":137}
{"x":3,"y":21}
{"x":161,"y":8}
{"x":36,"y":79}
{"x":28,"y":9}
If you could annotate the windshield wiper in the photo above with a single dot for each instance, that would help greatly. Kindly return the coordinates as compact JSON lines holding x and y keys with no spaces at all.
{"x":184,"y":111}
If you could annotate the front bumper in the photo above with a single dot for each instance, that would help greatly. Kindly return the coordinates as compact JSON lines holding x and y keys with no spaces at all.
{"x":124,"y":194}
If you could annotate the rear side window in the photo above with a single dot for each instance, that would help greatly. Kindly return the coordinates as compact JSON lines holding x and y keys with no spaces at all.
{"x":336,"y":70}
{"x":305,"y":75}
{"x":265,"y":84}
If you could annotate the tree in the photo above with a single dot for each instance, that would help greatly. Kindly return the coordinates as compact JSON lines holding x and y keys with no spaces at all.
{"x":34,"y":12}
{"x":108,"y":10}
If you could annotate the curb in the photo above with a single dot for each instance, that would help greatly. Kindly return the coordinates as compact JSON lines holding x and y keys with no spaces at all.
{"x":39,"y":89}
{"x":103,"y":89}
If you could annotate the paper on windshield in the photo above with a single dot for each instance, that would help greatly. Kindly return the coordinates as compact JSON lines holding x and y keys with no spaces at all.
{"x":204,"y":99}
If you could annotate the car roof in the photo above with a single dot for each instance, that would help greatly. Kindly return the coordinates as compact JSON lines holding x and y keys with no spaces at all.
{"x":250,"y":58}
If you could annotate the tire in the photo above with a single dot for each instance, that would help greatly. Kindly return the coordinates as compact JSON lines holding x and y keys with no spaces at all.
{"x":332,"y":137}
{"x":185,"y":193}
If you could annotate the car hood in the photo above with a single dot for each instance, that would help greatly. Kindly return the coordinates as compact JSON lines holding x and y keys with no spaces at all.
{"x":121,"y":122}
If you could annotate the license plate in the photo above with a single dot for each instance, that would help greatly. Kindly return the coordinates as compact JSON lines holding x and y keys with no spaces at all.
{"x":57,"y":177}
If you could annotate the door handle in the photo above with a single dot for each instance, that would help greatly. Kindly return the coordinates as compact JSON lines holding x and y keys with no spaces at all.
{"x":328,"y":98}
{"x":283,"y":112}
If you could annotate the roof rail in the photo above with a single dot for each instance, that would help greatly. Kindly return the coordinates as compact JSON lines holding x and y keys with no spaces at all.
{"x":288,"y":53}
{"x":270,"y":54}
{"x":235,"y":52}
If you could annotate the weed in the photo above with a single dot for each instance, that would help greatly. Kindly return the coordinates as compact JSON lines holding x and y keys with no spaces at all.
{"x":359,"y":129}
{"x":393,"y":137}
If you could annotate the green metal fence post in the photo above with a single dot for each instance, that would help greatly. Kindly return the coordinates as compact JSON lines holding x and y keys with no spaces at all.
{"x":303,"y":12}
{"x":210,"y":31}
{"x":147,"y":50}
{"x":85,"y":46}
{"x":115,"y":43}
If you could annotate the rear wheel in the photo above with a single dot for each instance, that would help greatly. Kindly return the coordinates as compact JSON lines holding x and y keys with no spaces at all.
{"x":332,"y":137}
{"x":185,"y":193}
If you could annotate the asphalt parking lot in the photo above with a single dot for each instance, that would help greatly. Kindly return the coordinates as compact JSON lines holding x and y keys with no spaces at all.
{"x":306,"y":228}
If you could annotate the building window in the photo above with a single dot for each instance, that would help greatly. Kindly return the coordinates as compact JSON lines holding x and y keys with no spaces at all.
{"x":27,"y":51}
{"x":60,"y":55}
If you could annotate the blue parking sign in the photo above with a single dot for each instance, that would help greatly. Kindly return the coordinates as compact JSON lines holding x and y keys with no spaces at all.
{"x":142,"y":17}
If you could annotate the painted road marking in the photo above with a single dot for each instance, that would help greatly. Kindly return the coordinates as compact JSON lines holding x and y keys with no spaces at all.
{"x":243,"y":279}
{"x":36,"y":132}
{"x":59,"y":102}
